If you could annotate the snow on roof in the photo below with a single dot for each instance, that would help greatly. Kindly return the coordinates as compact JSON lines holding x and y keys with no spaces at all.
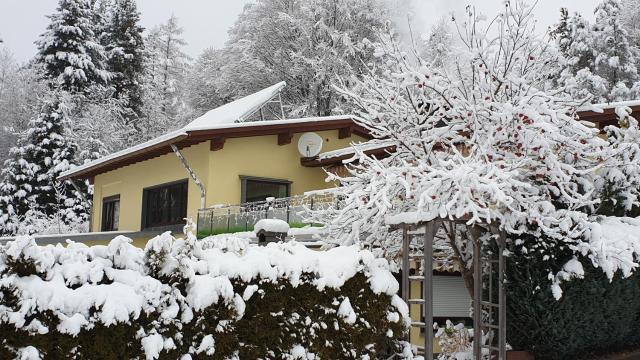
{"x":184,"y":132}
{"x":599,"y":108}
{"x":351,"y":150}
{"x":217,"y":118}
{"x":235,"y":111}
{"x":159,"y":140}
{"x":278,"y":122}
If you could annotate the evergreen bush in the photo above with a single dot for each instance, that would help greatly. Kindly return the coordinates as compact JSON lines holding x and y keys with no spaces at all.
{"x":188,"y":299}
{"x":594,"y":315}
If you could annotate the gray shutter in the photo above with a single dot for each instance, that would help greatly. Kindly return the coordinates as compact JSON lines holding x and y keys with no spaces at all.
{"x":450,"y":297}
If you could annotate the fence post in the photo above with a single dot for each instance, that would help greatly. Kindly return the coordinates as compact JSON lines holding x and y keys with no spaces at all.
{"x":228,"y":220}
{"x":211,"y":222}
{"x":288,"y":212}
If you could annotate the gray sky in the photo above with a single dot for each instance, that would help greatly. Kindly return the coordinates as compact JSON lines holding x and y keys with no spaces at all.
{"x":206,"y":21}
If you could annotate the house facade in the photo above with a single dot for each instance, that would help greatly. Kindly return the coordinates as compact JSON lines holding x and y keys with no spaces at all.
{"x":219,"y":158}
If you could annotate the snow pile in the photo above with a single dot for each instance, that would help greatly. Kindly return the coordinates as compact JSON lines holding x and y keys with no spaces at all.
{"x":271,"y":225}
{"x":189,"y":297}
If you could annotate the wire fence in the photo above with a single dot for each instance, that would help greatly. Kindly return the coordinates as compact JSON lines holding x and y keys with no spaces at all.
{"x":242,"y":217}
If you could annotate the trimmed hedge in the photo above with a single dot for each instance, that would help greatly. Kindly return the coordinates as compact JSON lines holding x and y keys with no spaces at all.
{"x":215,"y":299}
{"x":593,"y":315}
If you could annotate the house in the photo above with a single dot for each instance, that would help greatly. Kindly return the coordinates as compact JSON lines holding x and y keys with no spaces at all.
{"x":222,"y":157}
{"x":233,"y":156}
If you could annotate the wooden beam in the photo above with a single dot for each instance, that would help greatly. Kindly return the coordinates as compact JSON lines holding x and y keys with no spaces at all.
{"x":284,"y":138}
{"x":345,"y":132}
{"x":217,"y":144}
{"x":378,"y":153}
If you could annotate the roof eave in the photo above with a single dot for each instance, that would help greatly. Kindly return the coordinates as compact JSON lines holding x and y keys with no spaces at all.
{"x":129,"y":159}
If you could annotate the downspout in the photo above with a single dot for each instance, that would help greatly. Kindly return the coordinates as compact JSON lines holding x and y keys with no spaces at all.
{"x":84,"y":198}
{"x":203,"y":192}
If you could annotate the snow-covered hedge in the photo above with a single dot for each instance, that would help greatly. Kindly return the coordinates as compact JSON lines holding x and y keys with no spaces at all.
{"x":179,"y":299}
{"x":597,"y":313}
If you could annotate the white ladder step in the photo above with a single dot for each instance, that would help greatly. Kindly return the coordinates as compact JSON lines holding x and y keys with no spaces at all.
{"x":415,"y":301}
{"x":418,"y":324}
{"x":416,"y":278}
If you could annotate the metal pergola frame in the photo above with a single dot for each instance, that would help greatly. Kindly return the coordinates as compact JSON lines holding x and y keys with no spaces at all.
{"x":485,"y":299}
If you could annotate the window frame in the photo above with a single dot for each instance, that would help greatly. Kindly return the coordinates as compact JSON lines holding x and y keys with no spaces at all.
{"x":144,"y":226}
{"x":105,"y":201}
{"x":245,"y":178}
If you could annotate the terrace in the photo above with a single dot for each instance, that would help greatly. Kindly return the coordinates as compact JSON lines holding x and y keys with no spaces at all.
{"x":224,"y":219}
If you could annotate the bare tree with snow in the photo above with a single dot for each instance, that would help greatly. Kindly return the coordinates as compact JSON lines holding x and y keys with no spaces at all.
{"x":487,"y":140}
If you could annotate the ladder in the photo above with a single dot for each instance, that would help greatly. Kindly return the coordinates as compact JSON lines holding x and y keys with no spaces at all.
{"x":417,"y":250}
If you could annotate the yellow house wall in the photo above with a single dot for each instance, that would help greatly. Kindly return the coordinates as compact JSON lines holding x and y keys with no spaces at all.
{"x":129,"y":182}
{"x":416,"y":337}
{"x":220,"y":171}
{"x":261,"y":156}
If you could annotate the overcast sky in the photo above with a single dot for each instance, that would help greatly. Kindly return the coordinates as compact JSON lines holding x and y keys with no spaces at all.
{"x":206,"y":22}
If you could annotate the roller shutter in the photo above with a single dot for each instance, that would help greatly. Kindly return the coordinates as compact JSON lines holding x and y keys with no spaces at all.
{"x":450,"y":297}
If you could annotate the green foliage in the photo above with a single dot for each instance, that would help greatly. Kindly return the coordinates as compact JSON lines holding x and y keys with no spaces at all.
{"x":275,"y":318}
{"x":594,"y":315}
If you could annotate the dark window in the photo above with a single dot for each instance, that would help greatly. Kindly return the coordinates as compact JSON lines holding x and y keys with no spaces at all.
{"x":259,"y":189}
{"x":164,"y":205}
{"x":111,"y":213}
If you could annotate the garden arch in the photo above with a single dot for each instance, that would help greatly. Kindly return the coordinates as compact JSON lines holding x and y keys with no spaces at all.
{"x":489,"y":298}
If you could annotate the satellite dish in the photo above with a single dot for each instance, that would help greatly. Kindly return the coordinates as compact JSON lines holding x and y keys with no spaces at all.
{"x":309,"y":144}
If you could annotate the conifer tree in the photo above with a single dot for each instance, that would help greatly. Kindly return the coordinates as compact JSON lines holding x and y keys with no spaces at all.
{"x":165,"y":73}
{"x":72,"y":57}
{"x":575,"y":40}
{"x":562,"y":33}
{"x":125,"y":53}
{"x":30,"y":183}
{"x":614,"y":60}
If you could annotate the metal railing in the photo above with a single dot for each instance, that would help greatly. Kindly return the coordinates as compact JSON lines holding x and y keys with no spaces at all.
{"x":222,"y":219}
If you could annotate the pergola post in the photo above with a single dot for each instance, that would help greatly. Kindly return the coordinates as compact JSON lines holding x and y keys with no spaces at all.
{"x":496,"y":346}
{"x":429,"y":236}
{"x":406,"y":290}
{"x":477,"y":295}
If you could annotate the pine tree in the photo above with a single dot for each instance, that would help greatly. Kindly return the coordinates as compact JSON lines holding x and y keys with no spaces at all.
{"x":102,"y":10}
{"x":561,"y":32}
{"x":614,"y":60}
{"x":125,"y":53}
{"x":30,"y":177}
{"x":165,"y":72}
{"x":576,"y":40}
{"x":202,"y":81}
{"x":72,"y":56}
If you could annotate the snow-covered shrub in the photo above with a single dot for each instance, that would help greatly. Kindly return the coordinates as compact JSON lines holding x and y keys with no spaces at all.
{"x":454,"y":341}
{"x":595,"y":313}
{"x":217,"y":297}
{"x":488,"y":139}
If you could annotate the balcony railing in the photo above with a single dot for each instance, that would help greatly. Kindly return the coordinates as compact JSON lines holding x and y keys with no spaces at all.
{"x":223,"y":219}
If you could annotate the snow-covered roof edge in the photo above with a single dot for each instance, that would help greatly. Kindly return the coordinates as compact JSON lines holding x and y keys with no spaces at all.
{"x":169,"y":137}
{"x":350,"y":150}
{"x":177,"y":135}
{"x":599,"y":108}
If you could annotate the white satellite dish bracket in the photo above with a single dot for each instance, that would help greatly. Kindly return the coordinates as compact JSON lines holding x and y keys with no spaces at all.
{"x":310,"y":145}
